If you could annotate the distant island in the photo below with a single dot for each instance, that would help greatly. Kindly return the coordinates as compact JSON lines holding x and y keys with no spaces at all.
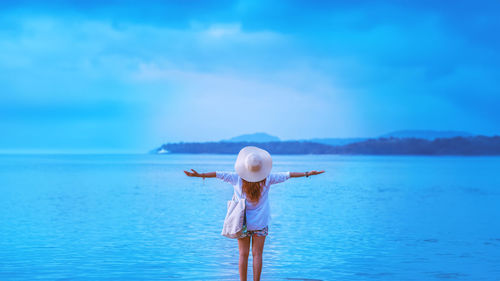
{"x":426,"y":134}
{"x":458,"y":145}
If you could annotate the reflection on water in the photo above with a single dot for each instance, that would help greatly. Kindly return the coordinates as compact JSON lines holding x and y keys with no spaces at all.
{"x":138,"y":217}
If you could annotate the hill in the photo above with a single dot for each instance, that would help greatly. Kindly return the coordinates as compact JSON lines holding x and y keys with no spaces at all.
{"x":256,"y":137}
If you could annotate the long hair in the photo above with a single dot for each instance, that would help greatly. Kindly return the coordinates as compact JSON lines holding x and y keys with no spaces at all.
{"x":253,"y":190}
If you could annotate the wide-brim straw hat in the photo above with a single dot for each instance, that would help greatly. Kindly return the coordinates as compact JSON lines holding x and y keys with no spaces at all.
{"x":253,"y":164}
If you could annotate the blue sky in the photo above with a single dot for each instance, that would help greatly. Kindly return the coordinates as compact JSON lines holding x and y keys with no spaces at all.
{"x":130,"y":75}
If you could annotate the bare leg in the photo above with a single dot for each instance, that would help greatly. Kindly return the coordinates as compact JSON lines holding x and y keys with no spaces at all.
{"x":257,"y":249}
{"x":244,"y":247}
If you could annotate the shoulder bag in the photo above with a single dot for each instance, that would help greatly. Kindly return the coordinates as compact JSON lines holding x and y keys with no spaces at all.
{"x":234,"y":223}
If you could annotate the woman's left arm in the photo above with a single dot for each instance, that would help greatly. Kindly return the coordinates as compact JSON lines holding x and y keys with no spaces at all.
{"x":202,"y":175}
{"x":305,"y":174}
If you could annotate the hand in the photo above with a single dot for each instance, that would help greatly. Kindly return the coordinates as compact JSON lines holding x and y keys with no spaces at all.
{"x":312,"y":173}
{"x":193,"y":174}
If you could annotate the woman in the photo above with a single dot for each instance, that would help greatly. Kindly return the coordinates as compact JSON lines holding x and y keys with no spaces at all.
{"x":252,"y":181}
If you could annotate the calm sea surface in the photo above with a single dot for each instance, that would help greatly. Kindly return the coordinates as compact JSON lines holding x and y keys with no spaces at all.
{"x":138,"y":217}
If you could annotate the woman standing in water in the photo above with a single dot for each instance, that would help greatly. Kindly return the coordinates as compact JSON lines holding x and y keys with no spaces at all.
{"x":252,"y":181}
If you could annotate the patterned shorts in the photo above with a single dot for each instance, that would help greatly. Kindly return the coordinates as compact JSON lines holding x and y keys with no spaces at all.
{"x":250,"y":233}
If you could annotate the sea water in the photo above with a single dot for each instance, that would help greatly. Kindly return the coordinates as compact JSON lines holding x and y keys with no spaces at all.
{"x":139,"y":217}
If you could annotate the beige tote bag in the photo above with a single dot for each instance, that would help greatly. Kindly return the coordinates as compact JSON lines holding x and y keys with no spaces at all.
{"x":235,"y":218}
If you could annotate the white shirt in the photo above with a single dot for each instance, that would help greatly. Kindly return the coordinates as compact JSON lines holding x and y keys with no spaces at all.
{"x":257,"y":216}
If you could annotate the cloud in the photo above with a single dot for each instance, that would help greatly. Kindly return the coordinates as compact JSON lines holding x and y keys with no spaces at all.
{"x":234,"y":103}
{"x":173,"y":71}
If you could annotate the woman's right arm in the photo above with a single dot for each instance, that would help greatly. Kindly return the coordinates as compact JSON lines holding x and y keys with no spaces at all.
{"x":305,"y":174}
{"x":198,"y":175}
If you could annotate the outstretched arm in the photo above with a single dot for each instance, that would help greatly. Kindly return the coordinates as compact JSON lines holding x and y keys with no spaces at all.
{"x":305,"y":174}
{"x":202,"y":175}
